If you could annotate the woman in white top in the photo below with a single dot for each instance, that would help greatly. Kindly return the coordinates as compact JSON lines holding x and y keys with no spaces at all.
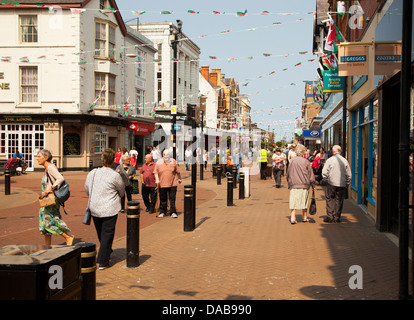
{"x":278,"y":166}
{"x":105,"y":188}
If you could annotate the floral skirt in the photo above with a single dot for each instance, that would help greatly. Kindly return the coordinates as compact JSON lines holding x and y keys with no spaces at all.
{"x":50,"y":221}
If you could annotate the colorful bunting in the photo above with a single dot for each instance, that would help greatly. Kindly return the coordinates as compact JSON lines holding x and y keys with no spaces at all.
{"x":241,"y":14}
{"x":192,"y":11}
{"x":77,"y":11}
{"x":108,"y":10}
{"x":166,"y":12}
{"x":138,"y":13}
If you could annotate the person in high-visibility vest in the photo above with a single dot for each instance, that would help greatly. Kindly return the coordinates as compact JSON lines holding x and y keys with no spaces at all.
{"x":263,"y":163}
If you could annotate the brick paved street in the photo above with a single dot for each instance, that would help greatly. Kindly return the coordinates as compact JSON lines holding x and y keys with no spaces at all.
{"x":248,"y":251}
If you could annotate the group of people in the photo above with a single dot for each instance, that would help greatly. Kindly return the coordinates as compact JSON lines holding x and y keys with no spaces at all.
{"x":107,"y":187}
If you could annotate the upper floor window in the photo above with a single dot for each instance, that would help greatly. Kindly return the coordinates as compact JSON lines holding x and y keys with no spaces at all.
{"x":102,"y":4}
{"x":28,"y":84}
{"x":28,"y":29}
{"x":104,"y":40}
{"x":106,"y":83}
{"x":140,"y":65}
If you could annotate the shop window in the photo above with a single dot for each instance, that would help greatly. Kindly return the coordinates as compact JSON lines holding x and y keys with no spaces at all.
{"x":101,"y":142}
{"x":71,"y":144}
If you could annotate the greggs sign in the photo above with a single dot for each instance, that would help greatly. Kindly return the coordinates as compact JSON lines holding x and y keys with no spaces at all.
{"x":140,"y":128}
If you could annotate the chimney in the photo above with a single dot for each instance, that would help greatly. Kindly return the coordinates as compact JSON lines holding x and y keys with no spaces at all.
{"x":213,"y":79}
{"x":204,"y":70}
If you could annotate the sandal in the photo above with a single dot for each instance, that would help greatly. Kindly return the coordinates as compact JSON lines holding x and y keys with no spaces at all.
{"x":305,"y":220}
{"x":293,"y":222}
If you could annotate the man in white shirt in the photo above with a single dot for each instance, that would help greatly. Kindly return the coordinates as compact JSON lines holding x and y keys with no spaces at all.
{"x":337,"y":174}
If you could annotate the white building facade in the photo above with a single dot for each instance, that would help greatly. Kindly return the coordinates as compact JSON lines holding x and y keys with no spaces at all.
{"x":57,"y":59}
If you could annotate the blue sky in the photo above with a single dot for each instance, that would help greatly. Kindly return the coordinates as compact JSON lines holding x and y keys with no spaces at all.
{"x":275,"y":95}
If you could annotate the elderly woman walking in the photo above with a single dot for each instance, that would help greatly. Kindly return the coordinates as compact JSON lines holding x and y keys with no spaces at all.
{"x":299,"y":177}
{"x":127,"y":172}
{"x":50,"y":220}
{"x":105,"y":189}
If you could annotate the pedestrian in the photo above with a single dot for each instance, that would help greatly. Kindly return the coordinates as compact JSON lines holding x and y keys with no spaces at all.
{"x":166,"y":172}
{"x":278,"y":166}
{"x":188,"y":155}
{"x":337,"y":174}
{"x":133,"y":151}
{"x":133,"y":161}
{"x":148,"y":184}
{"x":263,"y":163}
{"x":300,"y":178}
{"x":127,"y":173}
{"x":105,"y":188}
{"x":50,"y":220}
{"x":118,"y":156}
{"x":155,"y":154}
{"x":20,"y":160}
{"x":238,"y":161}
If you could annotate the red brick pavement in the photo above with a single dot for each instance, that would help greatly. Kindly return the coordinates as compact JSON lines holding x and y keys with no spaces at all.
{"x":248,"y":251}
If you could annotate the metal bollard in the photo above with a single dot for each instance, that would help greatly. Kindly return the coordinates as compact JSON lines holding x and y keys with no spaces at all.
{"x":88,"y":270}
{"x":90,"y":165}
{"x":132,"y":234}
{"x":241,"y":186}
{"x":229,"y":191}
{"x":7,"y":176}
{"x":189,"y":214}
{"x":234,"y":172}
{"x":201,"y":171}
{"x":219,"y":172}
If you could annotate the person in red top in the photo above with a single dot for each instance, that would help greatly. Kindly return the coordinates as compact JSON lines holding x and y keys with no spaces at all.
{"x":148,"y":184}
{"x":166,"y":171}
{"x":118,"y":156}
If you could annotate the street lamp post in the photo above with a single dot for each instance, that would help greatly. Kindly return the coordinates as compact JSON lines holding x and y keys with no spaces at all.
{"x":174,"y":44}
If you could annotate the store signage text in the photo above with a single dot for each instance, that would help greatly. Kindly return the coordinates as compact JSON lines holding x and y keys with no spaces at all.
{"x":4,"y":86}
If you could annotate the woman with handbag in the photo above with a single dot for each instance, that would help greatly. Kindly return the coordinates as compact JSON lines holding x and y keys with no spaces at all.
{"x":104,"y":188}
{"x":127,"y":173}
{"x":50,"y":220}
{"x":300,"y":178}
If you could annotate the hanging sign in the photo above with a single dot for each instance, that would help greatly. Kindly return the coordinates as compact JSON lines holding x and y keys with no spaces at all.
{"x":353,"y":59}
{"x":332,"y":82}
{"x":387,"y":58}
{"x":173,"y":109}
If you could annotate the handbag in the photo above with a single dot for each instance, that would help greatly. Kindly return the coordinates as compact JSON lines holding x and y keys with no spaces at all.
{"x":312,"y":207}
{"x":62,"y":193}
{"x":88,"y":214}
{"x":135,"y":186}
{"x":47,"y":200}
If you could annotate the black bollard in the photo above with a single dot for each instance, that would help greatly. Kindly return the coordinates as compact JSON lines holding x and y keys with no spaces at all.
{"x":229,"y":191}
{"x":219,"y":169}
{"x":90,"y":165}
{"x":7,"y":175}
{"x":132,"y":234}
{"x":234,"y":171}
{"x":241,"y":186}
{"x":201,"y":171}
{"x":88,"y":270}
{"x":189,"y":214}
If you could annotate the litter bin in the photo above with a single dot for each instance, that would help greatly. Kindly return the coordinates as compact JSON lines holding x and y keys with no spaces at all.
{"x":32,"y":272}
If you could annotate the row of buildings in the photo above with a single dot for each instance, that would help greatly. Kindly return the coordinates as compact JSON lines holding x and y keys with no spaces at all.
{"x":76,"y":78}
{"x":368,"y":101}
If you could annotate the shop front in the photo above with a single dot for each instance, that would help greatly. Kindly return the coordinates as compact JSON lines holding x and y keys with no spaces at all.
{"x":140,"y":135}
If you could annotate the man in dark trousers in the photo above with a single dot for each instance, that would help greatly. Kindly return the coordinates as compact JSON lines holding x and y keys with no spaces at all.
{"x":337,"y":174}
{"x":148,"y":184}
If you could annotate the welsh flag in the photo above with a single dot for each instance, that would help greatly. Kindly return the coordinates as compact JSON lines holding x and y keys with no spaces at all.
{"x":325,"y":61}
{"x":334,"y":37}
